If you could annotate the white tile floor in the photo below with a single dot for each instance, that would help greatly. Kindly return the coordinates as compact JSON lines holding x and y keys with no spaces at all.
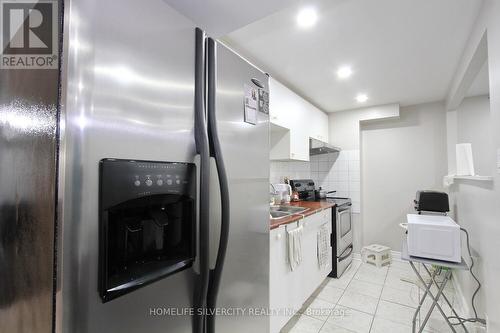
{"x":367,"y":299}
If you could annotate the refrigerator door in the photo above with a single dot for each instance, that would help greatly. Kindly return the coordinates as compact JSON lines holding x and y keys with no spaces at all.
{"x":245,"y":149}
{"x":28,"y":127}
{"x":128,"y":93}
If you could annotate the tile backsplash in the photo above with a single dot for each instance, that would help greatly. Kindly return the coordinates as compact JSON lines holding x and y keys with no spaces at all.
{"x":336,"y":171}
{"x":292,"y":170}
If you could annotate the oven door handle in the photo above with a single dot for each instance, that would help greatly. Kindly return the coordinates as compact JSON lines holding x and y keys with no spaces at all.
{"x":344,"y":209}
{"x":350,"y":248}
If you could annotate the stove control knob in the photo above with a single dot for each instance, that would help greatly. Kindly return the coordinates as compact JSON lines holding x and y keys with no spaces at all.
{"x":137,"y":183}
{"x":149,"y":182}
{"x":177,"y":181}
{"x":169,"y":181}
{"x":159,"y":182}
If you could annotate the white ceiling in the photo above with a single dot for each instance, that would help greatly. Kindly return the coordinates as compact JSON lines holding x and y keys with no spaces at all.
{"x":481,"y":84}
{"x":219,"y":17}
{"x":403,"y":51}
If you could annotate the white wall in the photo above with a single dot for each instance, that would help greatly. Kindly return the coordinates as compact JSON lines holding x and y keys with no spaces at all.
{"x":473,"y":126}
{"x":399,"y":157}
{"x":473,"y":203}
{"x":484,"y":218}
{"x":344,"y":132}
{"x":344,"y":125}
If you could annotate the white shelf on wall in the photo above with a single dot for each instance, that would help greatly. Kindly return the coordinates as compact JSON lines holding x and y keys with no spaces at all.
{"x":476,"y":178}
{"x":452,"y":179}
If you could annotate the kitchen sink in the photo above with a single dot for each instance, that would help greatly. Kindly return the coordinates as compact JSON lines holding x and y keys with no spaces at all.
{"x":278,"y":215}
{"x":278,"y":212}
{"x":288,"y":209}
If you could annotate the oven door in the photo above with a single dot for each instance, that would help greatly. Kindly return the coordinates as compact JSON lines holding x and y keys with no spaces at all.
{"x":344,"y":229}
{"x":344,"y":260}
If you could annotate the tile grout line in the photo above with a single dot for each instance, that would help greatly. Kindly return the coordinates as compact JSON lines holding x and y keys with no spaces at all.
{"x":403,"y":304}
{"x":378,"y":302}
{"x":337,"y":303}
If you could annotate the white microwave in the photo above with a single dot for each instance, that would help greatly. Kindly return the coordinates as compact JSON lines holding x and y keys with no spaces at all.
{"x":434,"y":237}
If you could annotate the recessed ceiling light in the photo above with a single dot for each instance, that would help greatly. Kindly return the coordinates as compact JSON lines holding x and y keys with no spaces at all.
{"x":361,"y":98}
{"x":344,"y":72}
{"x":307,"y":17}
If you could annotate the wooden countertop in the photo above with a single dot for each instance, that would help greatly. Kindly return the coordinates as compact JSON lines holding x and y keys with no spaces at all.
{"x":312,"y":208}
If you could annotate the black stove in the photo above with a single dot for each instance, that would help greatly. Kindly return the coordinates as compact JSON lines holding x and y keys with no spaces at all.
{"x":304,"y":187}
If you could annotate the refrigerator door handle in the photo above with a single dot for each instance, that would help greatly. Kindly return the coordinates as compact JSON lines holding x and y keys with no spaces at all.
{"x":203,"y":149}
{"x":216,"y":152}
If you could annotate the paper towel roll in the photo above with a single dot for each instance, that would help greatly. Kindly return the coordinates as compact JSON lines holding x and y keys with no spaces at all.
{"x":465,"y":162}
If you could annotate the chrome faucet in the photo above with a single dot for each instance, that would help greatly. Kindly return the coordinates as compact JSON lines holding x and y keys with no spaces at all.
{"x":273,"y":192}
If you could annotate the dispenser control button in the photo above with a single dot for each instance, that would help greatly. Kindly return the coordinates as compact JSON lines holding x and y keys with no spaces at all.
{"x":178,"y":181}
{"x":137,"y":183}
{"x":169,"y":181}
{"x":149,"y":182}
{"x":159,"y":182}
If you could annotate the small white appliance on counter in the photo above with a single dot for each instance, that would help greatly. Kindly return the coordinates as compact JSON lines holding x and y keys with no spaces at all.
{"x":434,"y":236}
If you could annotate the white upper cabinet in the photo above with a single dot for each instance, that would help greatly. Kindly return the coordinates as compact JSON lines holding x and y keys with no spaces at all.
{"x":295,"y":120}
{"x":283,"y":107}
{"x":319,"y":124}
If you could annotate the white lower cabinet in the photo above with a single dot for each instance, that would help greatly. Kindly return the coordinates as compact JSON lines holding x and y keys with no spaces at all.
{"x":289,"y":290}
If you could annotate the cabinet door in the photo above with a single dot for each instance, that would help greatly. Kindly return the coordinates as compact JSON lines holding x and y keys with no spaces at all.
{"x":281,"y":104}
{"x":311,"y":277}
{"x":319,"y":124}
{"x":313,"y":274}
{"x":288,"y":111}
{"x":282,"y":294}
{"x":299,"y":144}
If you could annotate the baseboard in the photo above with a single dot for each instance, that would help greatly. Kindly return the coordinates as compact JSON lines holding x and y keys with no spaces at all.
{"x":396,"y":256}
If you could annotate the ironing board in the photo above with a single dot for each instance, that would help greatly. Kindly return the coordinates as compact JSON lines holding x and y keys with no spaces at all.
{"x":435,"y":298}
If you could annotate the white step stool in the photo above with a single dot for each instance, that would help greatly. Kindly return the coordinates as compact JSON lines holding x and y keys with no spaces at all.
{"x":378,"y":255}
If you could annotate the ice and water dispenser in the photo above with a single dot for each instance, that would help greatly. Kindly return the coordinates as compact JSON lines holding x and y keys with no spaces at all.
{"x":146,"y":223}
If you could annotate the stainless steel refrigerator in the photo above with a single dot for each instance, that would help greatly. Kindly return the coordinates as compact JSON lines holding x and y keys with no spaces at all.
{"x":145,"y":197}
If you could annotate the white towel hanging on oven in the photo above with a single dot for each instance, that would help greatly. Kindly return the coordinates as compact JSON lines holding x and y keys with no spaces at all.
{"x":322,"y":247}
{"x":294,"y":238}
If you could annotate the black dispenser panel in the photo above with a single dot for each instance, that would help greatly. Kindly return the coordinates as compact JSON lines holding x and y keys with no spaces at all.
{"x":147,"y":223}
